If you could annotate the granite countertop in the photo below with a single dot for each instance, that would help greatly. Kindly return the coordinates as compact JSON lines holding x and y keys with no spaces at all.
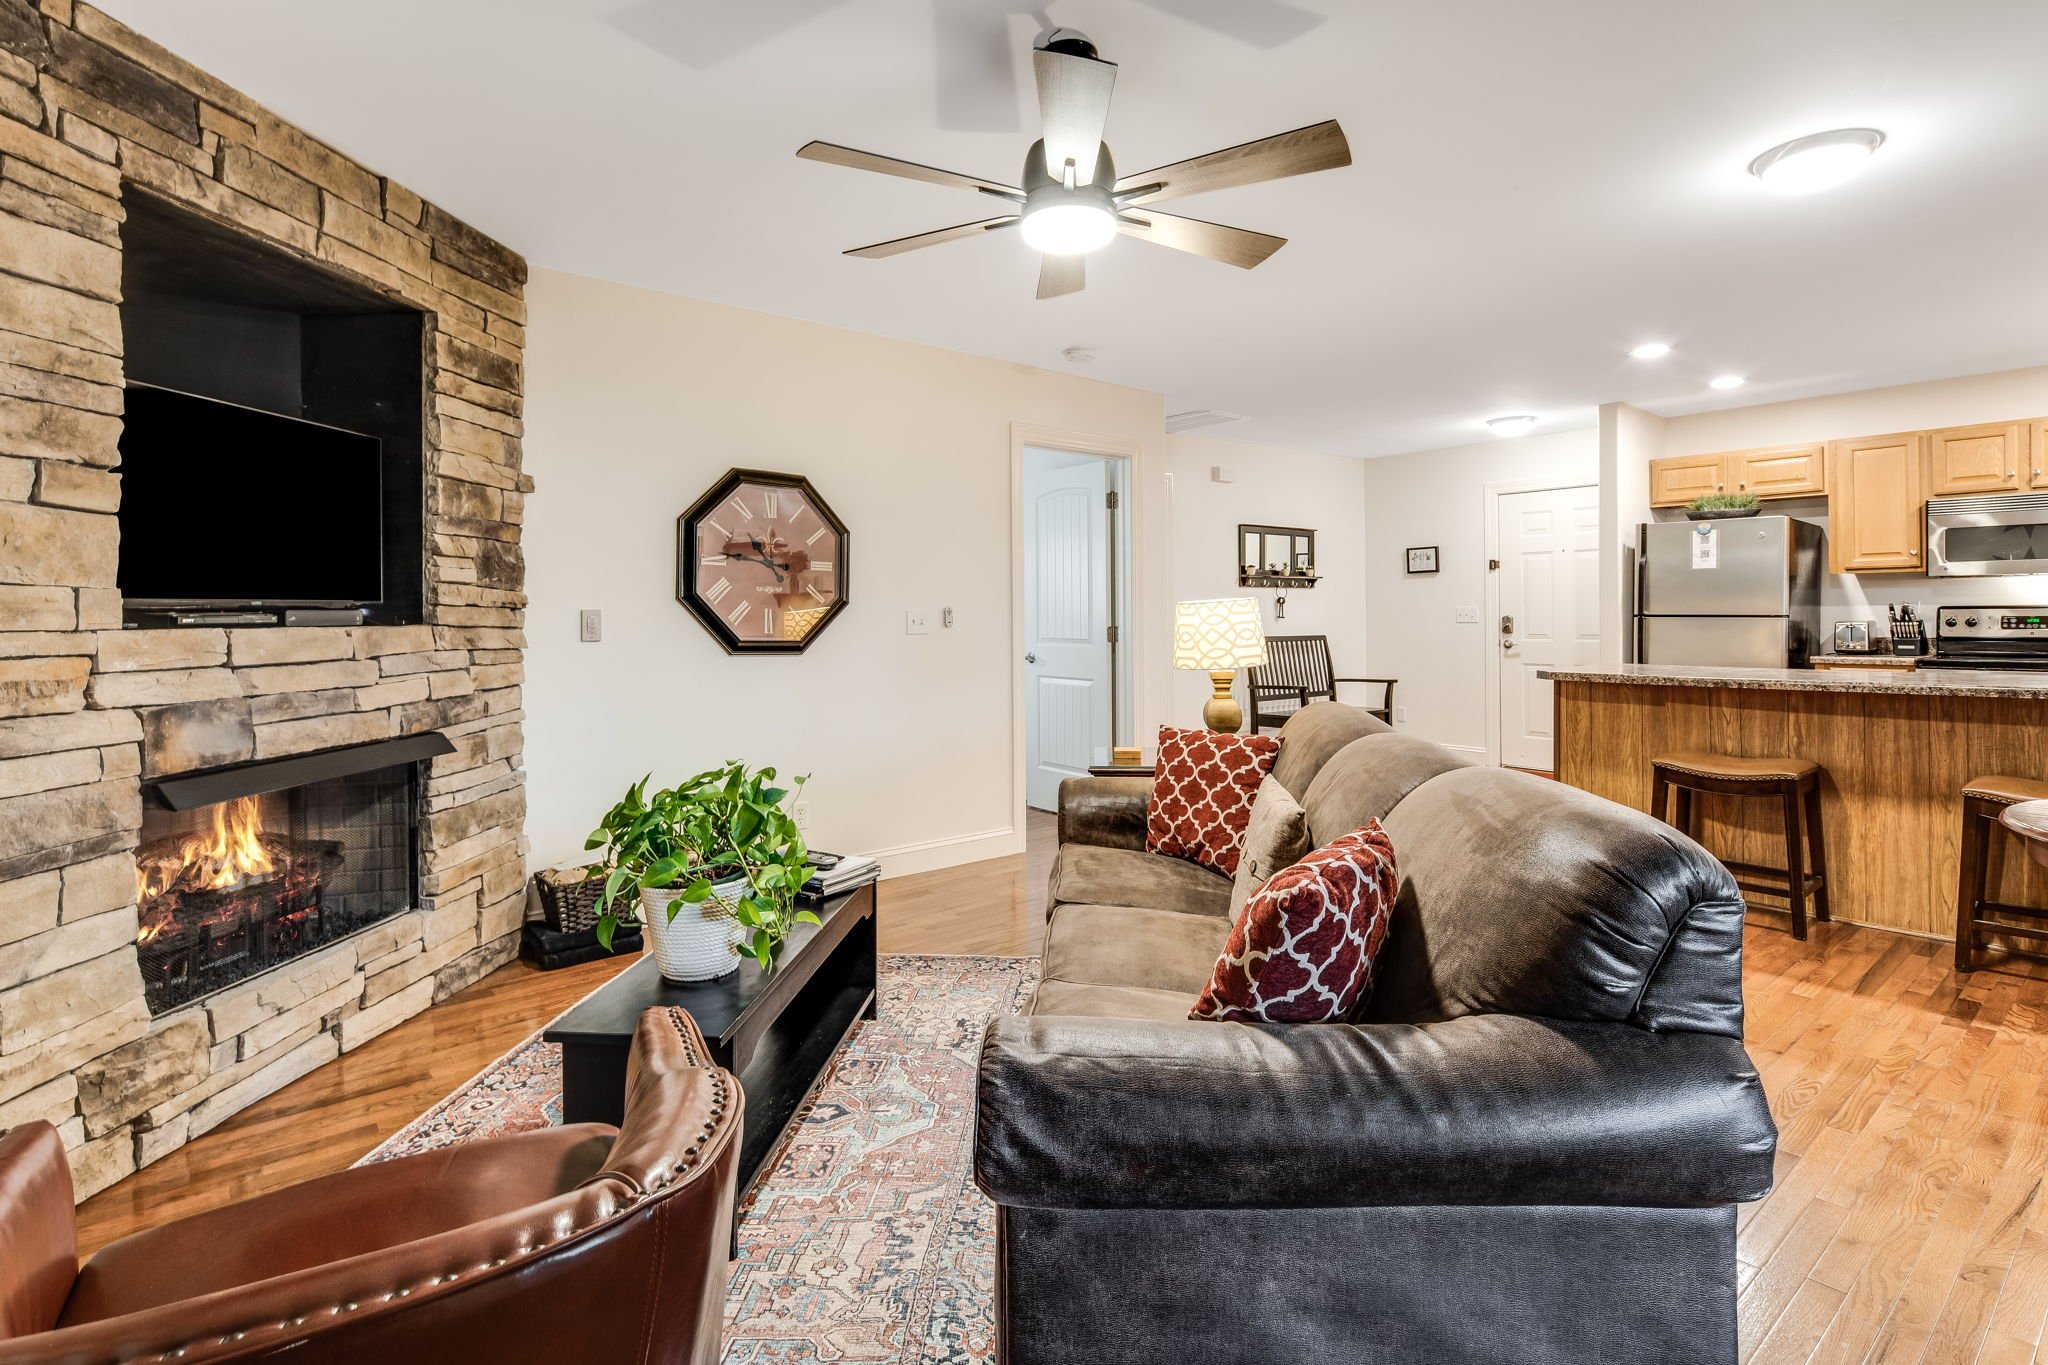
{"x":1935,"y":682}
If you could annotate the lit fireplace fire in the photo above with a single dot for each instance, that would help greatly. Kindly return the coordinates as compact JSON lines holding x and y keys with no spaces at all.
{"x":230,"y":886}
{"x":229,"y":856}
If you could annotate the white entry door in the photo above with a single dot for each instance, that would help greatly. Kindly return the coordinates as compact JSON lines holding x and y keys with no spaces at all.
{"x":1067,"y":672}
{"x":1549,"y":586}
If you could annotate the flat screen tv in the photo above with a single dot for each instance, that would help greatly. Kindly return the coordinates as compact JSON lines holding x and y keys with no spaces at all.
{"x":227,"y":506}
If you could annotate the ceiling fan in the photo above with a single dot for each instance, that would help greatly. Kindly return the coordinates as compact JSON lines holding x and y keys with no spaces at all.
{"x":1072,"y":202}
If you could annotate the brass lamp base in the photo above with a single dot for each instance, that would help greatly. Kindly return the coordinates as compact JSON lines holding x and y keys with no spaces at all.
{"x":1222,"y":713}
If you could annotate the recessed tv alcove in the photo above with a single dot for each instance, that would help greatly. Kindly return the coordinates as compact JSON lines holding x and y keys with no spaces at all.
{"x":271,"y":456}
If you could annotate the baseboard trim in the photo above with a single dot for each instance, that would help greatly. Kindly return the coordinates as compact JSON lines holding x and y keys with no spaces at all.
{"x":932,"y":854}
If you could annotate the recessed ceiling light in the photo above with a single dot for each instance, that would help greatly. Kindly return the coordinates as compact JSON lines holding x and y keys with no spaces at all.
{"x":1818,"y":161}
{"x":1516,"y":425}
{"x":1651,"y":350}
{"x":1725,"y":381}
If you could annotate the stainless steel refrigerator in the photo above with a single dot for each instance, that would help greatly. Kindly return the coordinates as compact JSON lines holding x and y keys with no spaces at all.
{"x":1736,"y":593}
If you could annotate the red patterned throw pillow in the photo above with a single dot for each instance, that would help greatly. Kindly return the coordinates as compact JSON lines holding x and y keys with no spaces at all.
{"x":1302,"y":949}
{"x":1202,"y":795}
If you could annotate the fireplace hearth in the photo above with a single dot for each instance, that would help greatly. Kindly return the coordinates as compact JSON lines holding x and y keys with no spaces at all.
{"x":296,"y":855}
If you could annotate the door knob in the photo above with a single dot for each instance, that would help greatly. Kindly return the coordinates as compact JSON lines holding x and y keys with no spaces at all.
{"x":1030,"y":658}
{"x":1507,"y":644}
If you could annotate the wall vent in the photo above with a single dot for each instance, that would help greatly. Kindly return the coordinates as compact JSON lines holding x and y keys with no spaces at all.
{"x":1195,"y":418}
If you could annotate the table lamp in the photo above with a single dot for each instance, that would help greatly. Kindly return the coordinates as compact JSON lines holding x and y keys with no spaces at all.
{"x":1219,"y":635}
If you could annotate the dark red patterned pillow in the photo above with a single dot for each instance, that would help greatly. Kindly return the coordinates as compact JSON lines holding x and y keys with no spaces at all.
{"x":1302,"y":949}
{"x":1202,"y":795}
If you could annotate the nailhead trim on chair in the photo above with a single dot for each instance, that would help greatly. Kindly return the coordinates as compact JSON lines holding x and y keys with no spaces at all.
{"x":632,"y":1200}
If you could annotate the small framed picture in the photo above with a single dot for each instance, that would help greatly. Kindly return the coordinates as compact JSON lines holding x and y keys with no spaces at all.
{"x":1422,"y":559}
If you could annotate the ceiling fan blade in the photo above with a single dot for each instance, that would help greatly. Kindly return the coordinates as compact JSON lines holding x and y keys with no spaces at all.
{"x":1059,"y":275}
{"x":837,"y":155}
{"x":897,"y":246}
{"x":1318,"y":147}
{"x":1240,"y":247}
{"x":1073,"y":102}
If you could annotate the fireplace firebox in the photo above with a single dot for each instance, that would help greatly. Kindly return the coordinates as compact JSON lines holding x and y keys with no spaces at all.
{"x":241,"y":870}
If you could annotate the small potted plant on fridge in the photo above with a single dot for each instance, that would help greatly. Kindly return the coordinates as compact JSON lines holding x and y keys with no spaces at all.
{"x":715,"y":863}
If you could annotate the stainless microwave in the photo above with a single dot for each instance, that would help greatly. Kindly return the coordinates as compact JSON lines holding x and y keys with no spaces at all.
{"x":2003,"y":533}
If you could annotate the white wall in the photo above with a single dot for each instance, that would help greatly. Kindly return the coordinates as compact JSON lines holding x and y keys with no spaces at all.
{"x":2005,"y":396}
{"x":1629,"y":439}
{"x":1273,"y":487}
{"x":636,"y":402}
{"x":1438,"y":497}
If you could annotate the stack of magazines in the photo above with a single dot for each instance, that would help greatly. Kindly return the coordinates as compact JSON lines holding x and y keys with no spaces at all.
{"x":835,"y":873}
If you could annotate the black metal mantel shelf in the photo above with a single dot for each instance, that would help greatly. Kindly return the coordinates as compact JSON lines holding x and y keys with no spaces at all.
{"x":191,"y":791}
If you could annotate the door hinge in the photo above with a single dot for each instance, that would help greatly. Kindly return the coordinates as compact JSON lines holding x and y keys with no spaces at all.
{"x":1493,"y":566}
{"x":1109,"y":499}
{"x":1112,"y":634}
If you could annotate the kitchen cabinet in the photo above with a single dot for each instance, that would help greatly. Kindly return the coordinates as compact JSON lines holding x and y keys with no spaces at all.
{"x":1982,"y":459}
{"x":1779,"y":471}
{"x":1877,"y":503}
{"x":1677,"y":481}
{"x":2038,"y":453}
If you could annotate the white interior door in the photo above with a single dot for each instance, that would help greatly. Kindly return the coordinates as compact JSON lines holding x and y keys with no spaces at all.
{"x":1549,"y":586}
{"x":1067,"y":674}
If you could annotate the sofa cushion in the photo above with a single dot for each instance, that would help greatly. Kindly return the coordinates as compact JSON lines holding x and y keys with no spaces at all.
{"x":1125,"y":876}
{"x":1120,"y":945}
{"x":1313,"y":735}
{"x":1202,"y":794}
{"x":1301,"y":951}
{"x":1368,"y":778}
{"x":1276,"y":838}
{"x":1081,"y":1000}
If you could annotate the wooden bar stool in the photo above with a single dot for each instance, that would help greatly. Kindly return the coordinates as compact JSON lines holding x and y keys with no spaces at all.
{"x":1795,"y":782}
{"x":1984,"y":800}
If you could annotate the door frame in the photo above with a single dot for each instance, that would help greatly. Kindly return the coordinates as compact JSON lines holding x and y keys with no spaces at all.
{"x":1023,"y":434}
{"x":1489,"y":618}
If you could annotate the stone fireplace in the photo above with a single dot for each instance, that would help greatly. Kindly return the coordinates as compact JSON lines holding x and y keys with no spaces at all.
{"x":188,"y":922}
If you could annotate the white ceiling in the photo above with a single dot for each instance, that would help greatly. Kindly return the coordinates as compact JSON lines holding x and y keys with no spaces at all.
{"x":1535,"y":186}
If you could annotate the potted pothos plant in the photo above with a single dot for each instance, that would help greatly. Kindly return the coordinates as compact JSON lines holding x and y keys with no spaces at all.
{"x":715,"y":863}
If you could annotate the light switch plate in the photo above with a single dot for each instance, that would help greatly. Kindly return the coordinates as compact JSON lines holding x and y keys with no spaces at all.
{"x":1467,"y":616}
{"x":592,"y":625}
{"x":915,"y":622}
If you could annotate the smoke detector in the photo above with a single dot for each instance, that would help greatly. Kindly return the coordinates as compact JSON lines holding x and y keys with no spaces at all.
{"x":1079,"y":355}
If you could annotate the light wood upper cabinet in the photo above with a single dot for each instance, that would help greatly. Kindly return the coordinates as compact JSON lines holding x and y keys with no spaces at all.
{"x":1982,"y":459}
{"x":2038,"y":453}
{"x":1877,"y":503}
{"x":1677,"y":481}
{"x":1779,"y":471}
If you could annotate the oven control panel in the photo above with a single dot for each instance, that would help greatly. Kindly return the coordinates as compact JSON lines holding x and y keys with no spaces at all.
{"x":1993,"y":623}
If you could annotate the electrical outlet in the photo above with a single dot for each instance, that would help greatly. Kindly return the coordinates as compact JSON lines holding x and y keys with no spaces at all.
{"x":1400,"y":715}
{"x":1466,"y":616}
{"x":592,"y":625}
{"x":801,"y":813}
{"x":916,"y":622}
{"x":946,"y":617}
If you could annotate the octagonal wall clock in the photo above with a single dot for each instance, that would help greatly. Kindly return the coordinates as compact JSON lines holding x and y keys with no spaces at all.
{"x":761,"y":562}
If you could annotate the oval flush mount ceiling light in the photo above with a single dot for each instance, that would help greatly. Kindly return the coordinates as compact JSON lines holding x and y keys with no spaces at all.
{"x":1818,"y":161}
{"x":1650,"y":350}
{"x":1517,"y":425}
{"x":1726,"y":381}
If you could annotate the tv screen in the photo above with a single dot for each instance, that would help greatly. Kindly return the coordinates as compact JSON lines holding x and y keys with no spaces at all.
{"x":230,"y":506}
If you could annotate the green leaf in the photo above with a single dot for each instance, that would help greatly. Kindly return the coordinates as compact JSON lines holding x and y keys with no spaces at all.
{"x":806,"y":917}
{"x":663,"y":872}
{"x":607,"y":925}
{"x":697,"y":892}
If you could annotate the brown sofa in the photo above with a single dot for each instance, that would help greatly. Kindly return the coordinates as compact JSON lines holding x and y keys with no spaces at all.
{"x":579,"y":1243}
{"x":1524,"y":1148}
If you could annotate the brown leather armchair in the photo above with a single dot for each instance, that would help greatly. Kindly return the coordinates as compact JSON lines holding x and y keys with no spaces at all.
{"x":570,"y":1244}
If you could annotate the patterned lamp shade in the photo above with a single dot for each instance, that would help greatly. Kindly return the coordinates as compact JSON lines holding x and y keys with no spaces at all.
{"x":1217,"y":634}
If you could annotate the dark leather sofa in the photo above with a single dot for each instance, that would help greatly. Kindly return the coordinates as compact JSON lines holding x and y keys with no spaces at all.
{"x":570,"y":1244}
{"x":1526,"y":1147}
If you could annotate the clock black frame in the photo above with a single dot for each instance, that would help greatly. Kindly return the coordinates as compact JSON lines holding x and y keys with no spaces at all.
{"x":686,"y":561}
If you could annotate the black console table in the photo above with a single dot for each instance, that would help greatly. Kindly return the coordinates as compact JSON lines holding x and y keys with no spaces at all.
{"x":776,"y":1031}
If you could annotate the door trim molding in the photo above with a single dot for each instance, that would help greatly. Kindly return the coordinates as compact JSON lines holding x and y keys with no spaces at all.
{"x":1490,"y":614}
{"x":1024,"y":434}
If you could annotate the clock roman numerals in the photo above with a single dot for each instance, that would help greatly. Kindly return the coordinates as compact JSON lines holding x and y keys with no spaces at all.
{"x":816,"y":596}
{"x":821,"y":566}
{"x":739,"y":614}
{"x":741,"y":508}
{"x":814,"y":537}
{"x":708,"y":560}
{"x":717,"y":591}
{"x":761,"y":562}
{"x":769,"y":502}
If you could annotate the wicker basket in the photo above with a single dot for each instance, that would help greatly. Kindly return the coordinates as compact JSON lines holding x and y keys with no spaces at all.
{"x":567,"y":901}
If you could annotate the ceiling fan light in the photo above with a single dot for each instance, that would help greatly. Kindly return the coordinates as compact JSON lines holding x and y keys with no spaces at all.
{"x":1517,"y":424}
{"x":1072,"y":228}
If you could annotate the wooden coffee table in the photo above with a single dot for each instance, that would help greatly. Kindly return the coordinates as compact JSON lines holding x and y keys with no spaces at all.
{"x":776,"y":1031}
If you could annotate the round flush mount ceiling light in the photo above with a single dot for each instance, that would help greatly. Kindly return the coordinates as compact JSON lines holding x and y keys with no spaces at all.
{"x":1818,"y":161}
{"x":1650,"y":350}
{"x":1073,"y":228}
{"x":1725,"y":381}
{"x":1518,"y":424}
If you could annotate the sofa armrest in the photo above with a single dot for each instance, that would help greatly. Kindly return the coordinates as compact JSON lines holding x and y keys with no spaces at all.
{"x":1109,"y":811}
{"x":1089,"y":1113}
{"x":38,"y":1232}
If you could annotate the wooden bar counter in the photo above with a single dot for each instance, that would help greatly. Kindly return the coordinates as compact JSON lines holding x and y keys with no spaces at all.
{"x":1897,"y":748}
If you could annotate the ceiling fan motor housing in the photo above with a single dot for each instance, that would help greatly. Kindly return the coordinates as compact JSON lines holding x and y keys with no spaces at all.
{"x":1039,"y":178}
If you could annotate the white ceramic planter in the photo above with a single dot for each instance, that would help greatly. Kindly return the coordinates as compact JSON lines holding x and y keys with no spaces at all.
{"x":702,"y":942}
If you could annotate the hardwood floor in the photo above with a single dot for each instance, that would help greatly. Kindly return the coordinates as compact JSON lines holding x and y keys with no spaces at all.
{"x":1909,"y":1222}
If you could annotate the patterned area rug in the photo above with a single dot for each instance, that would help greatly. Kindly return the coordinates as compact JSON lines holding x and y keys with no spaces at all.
{"x":867,"y":1242}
